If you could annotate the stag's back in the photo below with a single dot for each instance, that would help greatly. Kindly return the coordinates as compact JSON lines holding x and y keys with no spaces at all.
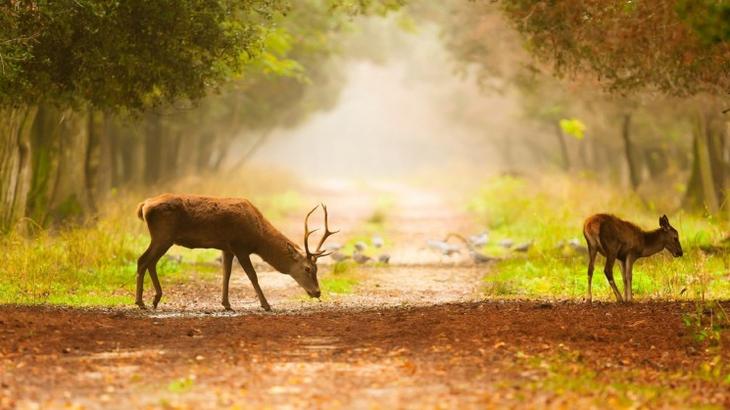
{"x":202,"y":222}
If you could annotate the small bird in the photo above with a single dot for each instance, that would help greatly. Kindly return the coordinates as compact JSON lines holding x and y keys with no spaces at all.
{"x":577,"y":246}
{"x":360,"y":258}
{"x":333,"y":247}
{"x":174,"y":258}
{"x":339,"y":256}
{"x":479,"y":239}
{"x":384,"y":258}
{"x":443,"y":247}
{"x":377,"y":241}
{"x":523,"y":247}
{"x":506,"y":243}
{"x":478,"y":257}
{"x":360,"y":246}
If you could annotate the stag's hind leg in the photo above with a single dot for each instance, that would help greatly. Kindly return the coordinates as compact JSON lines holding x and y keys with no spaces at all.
{"x":227,"y":266}
{"x":148,"y":261}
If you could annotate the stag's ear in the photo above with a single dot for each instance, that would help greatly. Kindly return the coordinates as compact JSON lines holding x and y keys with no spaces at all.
{"x":664,"y":222}
{"x":293,"y":252}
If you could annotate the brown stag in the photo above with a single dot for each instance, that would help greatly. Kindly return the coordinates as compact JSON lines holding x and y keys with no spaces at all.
{"x":233,"y":225}
{"x":621,"y":240}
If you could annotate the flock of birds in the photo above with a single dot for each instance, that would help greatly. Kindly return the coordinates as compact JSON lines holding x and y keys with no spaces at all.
{"x":471,"y":243}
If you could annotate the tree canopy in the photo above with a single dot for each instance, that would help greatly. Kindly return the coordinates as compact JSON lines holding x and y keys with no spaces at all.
{"x":678,"y":47}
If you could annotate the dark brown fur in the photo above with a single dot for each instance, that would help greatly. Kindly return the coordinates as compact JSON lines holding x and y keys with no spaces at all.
{"x":621,"y":240}
{"x":233,"y":225}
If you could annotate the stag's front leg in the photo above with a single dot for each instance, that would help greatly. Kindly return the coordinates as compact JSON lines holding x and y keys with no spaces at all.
{"x":227,"y":265}
{"x":247,"y":266}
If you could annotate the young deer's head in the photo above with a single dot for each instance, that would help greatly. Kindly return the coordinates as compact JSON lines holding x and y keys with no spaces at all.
{"x":304,"y":268}
{"x":670,"y":237}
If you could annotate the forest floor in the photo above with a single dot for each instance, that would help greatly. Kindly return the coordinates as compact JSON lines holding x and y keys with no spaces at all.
{"x":414,"y":333}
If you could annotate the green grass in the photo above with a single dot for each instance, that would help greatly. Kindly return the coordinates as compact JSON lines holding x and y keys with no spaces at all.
{"x":341,"y":281}
{"x":553,"y":212}
{"x":567,"y":377}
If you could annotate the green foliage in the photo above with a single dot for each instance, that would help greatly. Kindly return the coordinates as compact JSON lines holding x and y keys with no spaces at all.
{"x":131,"y":54}
{"x":573,"y":127}
{"x":609,"y":40}
{"x":710,"y":19}
{"x":553,"y":214}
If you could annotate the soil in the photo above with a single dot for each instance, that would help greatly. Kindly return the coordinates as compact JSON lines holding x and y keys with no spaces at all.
{"x":413,"y":334}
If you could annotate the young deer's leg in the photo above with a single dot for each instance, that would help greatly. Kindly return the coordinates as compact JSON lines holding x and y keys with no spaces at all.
{"x":608,"y":270}
{"x":630,"y":276}
{"x":622,"y":265}
{"x":592,"y":251}
{"x":154,"y":257}
{"x":245,"y":262}
{"x":141,"y":269}
{"x":227,"y":265}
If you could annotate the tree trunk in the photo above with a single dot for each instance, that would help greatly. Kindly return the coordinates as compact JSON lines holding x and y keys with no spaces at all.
{"x":634,"y":177}
{"x":70,"y":199}
{"x":704,"y":164}
{"x":15,"y":163}
{"x":46,"y":142}
{"x":563,"y":147}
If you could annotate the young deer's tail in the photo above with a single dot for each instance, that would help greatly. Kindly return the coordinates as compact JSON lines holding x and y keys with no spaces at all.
{"x":140,"y":213}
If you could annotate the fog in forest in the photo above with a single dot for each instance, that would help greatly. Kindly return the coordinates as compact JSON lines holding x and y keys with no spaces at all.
{"x":414,"y":111}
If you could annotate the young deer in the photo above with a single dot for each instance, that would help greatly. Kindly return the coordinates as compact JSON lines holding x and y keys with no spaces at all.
{"x":232,"y":225}
{"x":621,"y":240}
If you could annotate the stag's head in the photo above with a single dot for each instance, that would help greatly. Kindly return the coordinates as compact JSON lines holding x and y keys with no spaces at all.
{"x":304,"y":269}
{"x":670,"y":236}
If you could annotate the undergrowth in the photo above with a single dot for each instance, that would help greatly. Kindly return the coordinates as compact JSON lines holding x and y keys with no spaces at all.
{"x":550,"y":213}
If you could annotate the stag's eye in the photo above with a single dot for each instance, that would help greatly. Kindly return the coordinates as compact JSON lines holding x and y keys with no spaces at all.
{"x":308,"y":269}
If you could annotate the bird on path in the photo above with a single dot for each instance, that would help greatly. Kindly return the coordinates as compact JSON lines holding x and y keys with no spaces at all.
{"x":377,"y":241}
{"x":360,"y":258}
{"x":475,"y":255}
{"x":339,"y":256}
{"x":384,"y":258}
{"x":523,"y":247}
{"x":506,"y":243}
{"x":360,"y":246}
{"x":443,"y":247}
{"x":479,"y":239}
{"x":577,"y":245}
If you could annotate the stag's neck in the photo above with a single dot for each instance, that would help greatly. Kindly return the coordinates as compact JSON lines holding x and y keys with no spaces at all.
{"x":273,"y":250}
{"x":653,"y":243}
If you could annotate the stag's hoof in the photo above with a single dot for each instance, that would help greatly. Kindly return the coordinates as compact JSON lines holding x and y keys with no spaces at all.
{"x":141,"y":305}
{"x":227,"y":307}
{"x":266,"y":308}
{"x":156,"y":301}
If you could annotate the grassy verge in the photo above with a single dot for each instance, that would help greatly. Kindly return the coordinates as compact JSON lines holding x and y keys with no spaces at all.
{"x":95,"y":264}
{"x":551,"y":213}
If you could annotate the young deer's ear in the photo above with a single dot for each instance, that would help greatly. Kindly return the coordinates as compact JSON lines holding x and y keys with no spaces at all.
{"x":664,"y":222}
{"x":293,"y":252}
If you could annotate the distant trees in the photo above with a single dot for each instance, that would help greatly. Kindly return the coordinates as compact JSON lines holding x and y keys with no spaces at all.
{"x":675,"y":47}
{"x":97,"y":94}
{"x":644,"y":56}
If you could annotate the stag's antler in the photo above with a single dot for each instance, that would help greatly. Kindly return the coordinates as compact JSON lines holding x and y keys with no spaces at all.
{"x":318,"y":253}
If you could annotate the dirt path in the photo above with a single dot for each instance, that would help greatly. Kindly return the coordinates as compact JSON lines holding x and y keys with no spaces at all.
{"x":416,"y":275}
{"x":412,"y":334}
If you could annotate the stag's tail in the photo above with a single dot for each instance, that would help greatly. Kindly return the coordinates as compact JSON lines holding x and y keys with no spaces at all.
{"x":140,"y":213}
